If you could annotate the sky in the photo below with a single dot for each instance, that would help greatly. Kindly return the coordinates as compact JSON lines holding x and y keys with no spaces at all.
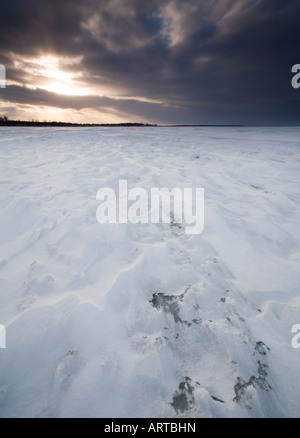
{"x":154,"y":61}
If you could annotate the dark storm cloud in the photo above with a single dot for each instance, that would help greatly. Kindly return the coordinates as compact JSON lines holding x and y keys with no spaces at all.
{"x":40,"y":97}
{"x":227,"y":61}
{"x":31,"y":26}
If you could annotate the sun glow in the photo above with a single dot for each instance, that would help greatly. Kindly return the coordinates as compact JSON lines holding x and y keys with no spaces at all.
{"x":54,"y":74}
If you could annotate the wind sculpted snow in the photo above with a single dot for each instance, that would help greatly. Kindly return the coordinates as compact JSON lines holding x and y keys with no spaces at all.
{"x":144,"y":320}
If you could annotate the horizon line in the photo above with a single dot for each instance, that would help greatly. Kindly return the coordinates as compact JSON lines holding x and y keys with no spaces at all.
{"x":4,"y":121}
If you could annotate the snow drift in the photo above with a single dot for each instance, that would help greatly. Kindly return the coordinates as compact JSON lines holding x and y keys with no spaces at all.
{"x":145,"y":320}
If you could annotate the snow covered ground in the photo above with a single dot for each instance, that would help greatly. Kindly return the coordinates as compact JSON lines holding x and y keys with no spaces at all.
{"x":145,"y":320}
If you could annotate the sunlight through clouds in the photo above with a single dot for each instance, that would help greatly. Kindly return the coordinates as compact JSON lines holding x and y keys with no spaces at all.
{"x":156,"y":61}
{"x":53,"y":73}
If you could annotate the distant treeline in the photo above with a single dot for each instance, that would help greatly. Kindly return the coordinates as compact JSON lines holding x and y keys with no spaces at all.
{"x":4,"y":121}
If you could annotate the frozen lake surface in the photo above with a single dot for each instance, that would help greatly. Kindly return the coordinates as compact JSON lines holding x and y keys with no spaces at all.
{"x":144,"y":320}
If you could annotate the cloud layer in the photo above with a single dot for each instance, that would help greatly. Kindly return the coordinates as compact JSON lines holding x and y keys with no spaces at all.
{"x":167,"y":61}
